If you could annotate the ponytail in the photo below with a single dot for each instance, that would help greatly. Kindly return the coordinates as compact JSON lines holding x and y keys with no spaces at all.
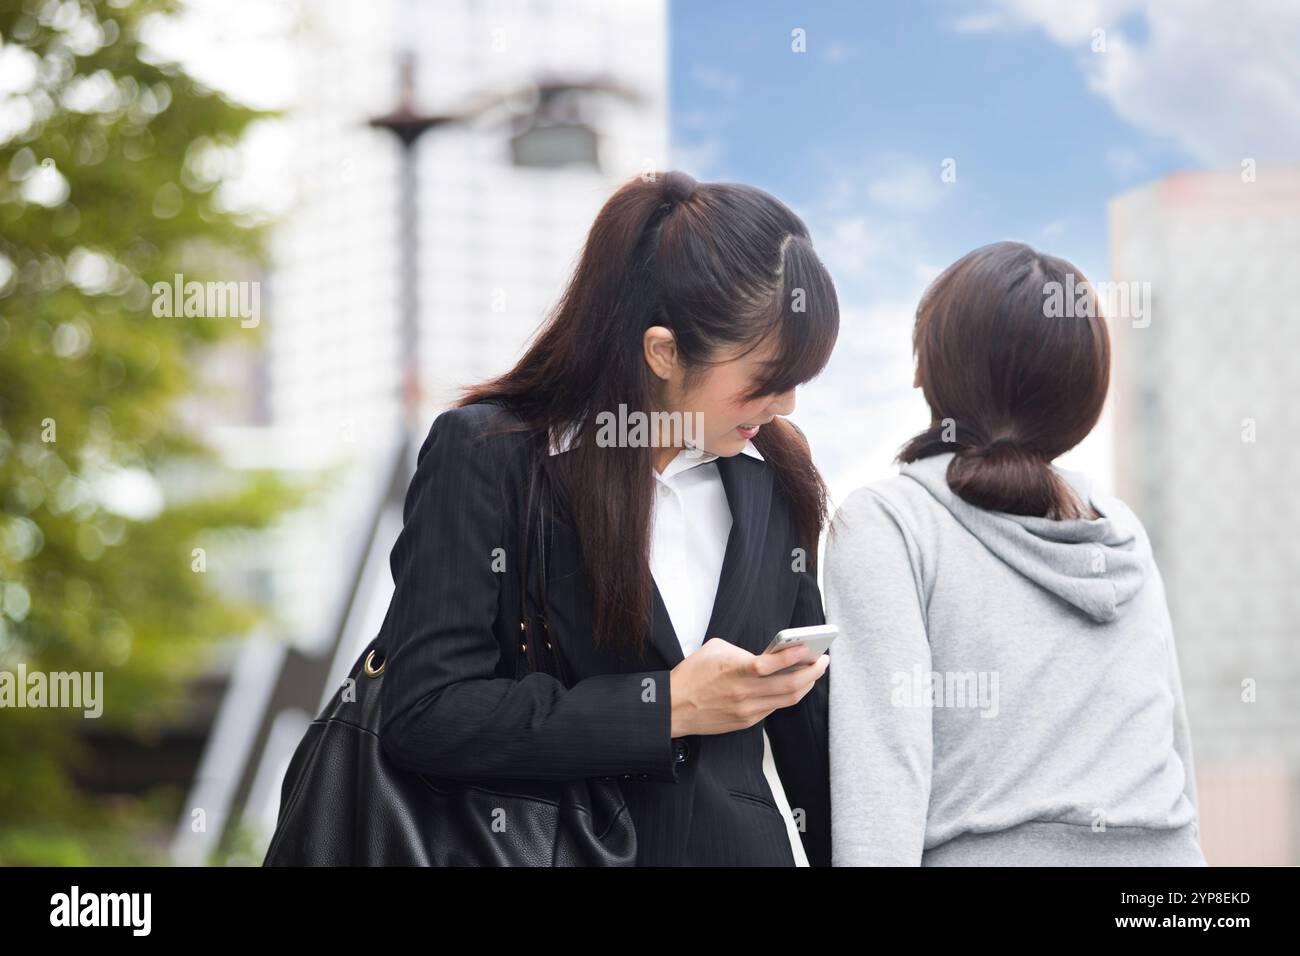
{"x":1005,"y":477}
{"x":1010,"y":385}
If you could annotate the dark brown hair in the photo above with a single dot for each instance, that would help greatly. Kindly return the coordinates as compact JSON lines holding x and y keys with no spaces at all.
{"x":719,"y":264}
{"x":1013,"y":357}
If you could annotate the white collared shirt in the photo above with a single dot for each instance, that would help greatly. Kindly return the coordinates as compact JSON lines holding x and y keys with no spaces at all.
{"x":690,"y":522}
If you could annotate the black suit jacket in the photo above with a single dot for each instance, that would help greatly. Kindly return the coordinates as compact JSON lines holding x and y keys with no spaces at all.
{"x":451,"y":706}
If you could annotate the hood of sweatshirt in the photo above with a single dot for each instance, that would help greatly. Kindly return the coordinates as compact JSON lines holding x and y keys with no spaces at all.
{"x":1097,"y":565}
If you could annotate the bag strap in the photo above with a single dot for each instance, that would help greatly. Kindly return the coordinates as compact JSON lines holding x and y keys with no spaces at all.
{"x":546,"y":530}
{"x":532,"y":645}
{"x":542,"y":546}
{"x":375,"y":659}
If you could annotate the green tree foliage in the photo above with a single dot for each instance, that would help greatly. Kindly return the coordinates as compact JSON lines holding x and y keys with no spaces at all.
{"x":110,"y":163}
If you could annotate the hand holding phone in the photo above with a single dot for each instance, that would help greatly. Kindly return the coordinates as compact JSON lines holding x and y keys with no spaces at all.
{"x":816,"y":638}
{"x":718,"y":689}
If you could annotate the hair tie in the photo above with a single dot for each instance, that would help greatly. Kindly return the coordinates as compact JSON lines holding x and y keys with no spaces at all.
{"x":679,"y":187}
{"x":984,"y":449}
{"x":1004,"y":440}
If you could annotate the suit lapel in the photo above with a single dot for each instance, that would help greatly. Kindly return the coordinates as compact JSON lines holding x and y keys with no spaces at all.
{"x":662,"y":634}
{"x":748,"y":484}
{"x":749,"y":493}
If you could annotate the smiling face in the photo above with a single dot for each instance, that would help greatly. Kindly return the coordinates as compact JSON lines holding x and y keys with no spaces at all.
{"x":718,"y":394}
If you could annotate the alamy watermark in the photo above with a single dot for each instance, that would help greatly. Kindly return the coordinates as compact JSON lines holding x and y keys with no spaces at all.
{"x":208,"y":300}
{"x":75,"y":689}
{"x":637,"y":429}
{"x":919,"y":688}
{"x":1121,"y":300}
{"x":131,"y":910}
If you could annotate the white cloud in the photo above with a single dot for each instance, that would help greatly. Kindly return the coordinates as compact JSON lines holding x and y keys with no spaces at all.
{"x":909,"y":188}
{"x":979,"y":23}
{"x":839,"y":52}
{"x":862,"y":407}
{"x":870,"y":225}
{"x":1068,"y":21}
{"x":1222,"y":80}
{"x":1125,"y":163}
{"x":702,"y":158}
{"x":849,"y":245}
{"x":722,"y":82}
{"x":705,"y":120}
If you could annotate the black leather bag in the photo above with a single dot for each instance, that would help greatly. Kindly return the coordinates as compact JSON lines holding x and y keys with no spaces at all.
{"x":344,"y":803}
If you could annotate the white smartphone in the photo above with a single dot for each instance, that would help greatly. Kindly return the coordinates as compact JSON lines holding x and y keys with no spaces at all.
{"x":815,"y":638}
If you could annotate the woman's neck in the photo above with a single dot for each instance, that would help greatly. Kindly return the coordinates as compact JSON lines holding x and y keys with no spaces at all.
{"x":662,"y":456}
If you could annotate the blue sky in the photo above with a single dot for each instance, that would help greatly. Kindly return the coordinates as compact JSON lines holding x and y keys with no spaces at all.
{"x":1042,"y":130}
{"x":886,"y":92}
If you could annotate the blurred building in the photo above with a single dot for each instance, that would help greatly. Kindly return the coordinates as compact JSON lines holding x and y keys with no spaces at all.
{"x":1206,"y":415}
{"x":499,"y":226}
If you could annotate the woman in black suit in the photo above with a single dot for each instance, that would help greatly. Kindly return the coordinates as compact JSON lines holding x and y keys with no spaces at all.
{"x":704,"y":304}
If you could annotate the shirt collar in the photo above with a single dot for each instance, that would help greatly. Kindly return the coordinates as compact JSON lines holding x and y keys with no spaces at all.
{"x":570,"y":438}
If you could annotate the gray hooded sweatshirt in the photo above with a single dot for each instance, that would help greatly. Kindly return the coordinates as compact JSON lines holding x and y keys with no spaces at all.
{"x":1005,"y":689}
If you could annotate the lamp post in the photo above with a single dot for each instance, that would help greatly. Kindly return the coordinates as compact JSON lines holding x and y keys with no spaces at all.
{"x":548,"y":132}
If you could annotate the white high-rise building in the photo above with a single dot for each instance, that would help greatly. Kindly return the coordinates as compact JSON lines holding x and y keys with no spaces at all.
{"x":497,"y":239}
{"x":1206,"y":417}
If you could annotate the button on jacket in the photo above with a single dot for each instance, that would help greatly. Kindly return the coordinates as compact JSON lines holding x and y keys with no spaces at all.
{"x":451,"y":706}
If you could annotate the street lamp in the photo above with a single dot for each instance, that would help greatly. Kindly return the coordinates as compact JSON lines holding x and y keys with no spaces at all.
{"x":548,"y":131}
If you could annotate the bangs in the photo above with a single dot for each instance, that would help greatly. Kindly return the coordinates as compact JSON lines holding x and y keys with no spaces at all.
{"x":805,"y":323}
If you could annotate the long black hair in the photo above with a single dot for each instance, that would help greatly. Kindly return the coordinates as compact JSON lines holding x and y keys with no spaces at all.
{"x":722,"y":265}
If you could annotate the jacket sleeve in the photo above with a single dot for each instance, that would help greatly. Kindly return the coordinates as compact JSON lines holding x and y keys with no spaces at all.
{"x":881,"y":743}
{"x":798,"y":737}
{"x":445,"y":711}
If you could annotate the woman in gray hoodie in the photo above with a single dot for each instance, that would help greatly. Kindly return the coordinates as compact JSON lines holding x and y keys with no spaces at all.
{"x":1005,"y":689}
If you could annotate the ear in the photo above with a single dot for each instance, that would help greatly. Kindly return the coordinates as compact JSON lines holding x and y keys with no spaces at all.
{"x":660,"y":349}
{"x":916,"y":377}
